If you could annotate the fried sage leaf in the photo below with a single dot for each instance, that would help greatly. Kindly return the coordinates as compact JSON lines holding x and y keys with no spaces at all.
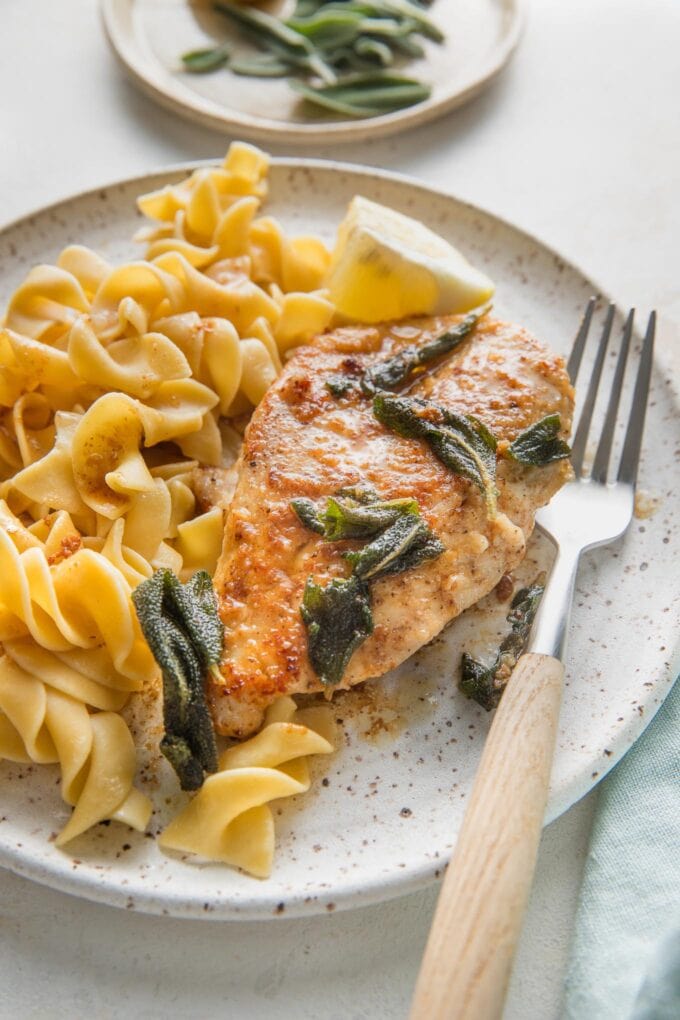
{"x":404,"y":545}
{"x":540,"y":444}
{"x":309,"y":514}
{"x":347,"y":519}
{"x":195,"y":608}
{"x":352,"y":513}
{"x":393,"y":371}
{"x":183,"y":629}
{"x":361,"y":492}
{"x":485,"y":684}
{"x":338,"y":618}
{"x":340,"y":385}
{"x":461,"y":442}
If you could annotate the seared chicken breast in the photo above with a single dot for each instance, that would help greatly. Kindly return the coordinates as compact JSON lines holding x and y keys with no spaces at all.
{"x":303,"y":441}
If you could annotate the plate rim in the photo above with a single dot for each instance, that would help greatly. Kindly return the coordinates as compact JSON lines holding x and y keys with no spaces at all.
{"x":386,"y":886}
{"x":198,"y":109}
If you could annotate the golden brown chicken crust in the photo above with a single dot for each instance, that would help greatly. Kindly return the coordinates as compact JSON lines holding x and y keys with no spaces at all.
{"x":302,"y":441}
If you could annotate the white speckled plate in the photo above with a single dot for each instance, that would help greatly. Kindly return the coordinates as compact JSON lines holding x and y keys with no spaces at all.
{"x":383,"y":813}
{"x":149,"y":36}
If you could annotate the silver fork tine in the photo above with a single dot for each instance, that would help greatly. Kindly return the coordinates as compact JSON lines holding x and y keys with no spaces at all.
{"x":579,"y":445}
{"x":631,"y":448}
{"x":574,"y":362}
{"x":604,"y":449}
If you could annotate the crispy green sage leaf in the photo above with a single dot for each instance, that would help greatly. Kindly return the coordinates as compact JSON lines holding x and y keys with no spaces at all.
{"x":183,"y":629}
{"x":462,"y":442}
{"x":309,"y":514}
{"x":345,"y":518}
{"x":360,"y":492}
{"x":340,"y":385}
{"x":195,"y":608}
{"x":338,"y":619}
{"x":404,"y":545}
{"x":352,"y":513}
{"x":390,"y":373}
{"x":485,"y":684}
{"x":540,"y":444}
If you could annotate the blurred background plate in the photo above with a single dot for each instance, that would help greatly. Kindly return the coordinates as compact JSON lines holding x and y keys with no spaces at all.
{"x":149,"y":37}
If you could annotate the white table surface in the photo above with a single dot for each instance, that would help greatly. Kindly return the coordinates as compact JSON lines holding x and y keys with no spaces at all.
{"x":578,"y":142}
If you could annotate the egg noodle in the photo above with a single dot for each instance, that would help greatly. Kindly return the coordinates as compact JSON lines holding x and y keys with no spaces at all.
{"x":115,"y":383}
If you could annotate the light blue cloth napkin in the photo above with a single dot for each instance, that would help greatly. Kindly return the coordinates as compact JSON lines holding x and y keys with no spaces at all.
{"x":625,"y":962}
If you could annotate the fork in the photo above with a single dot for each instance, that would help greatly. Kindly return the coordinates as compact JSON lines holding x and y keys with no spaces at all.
{"x":468,"y":958}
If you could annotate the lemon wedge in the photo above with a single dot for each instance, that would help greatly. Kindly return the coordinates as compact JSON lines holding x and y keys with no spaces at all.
{"x":387,"y":266}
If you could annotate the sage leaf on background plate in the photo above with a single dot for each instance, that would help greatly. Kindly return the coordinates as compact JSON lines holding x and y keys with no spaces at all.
{"x":184,"y":632}
{"x":205,"y":61}
{"x":414,"y":12}
{"x":374,"y":49}
{"x":485,"y":684}
{"x":260,"y":67}
{"x":461,"y":442}
{"x":270,"y":29}
{"x":365,"y":95}
{"x":539,"y":444}
{"x":341,"y":50}
{"x":283,"y":42}
{"x":338,"y":619}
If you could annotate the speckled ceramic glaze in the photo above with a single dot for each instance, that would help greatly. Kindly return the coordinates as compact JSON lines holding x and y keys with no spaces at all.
{"x":149,"y":37}
{"x":383,"y":813}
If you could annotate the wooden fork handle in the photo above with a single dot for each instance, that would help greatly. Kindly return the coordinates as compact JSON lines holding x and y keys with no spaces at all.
{"x":466,"y":966}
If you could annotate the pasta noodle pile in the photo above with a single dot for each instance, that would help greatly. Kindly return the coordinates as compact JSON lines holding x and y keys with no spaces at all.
{"x":229,"y":819}
{"x":116,"y":386}
{"x":73,"y":653}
